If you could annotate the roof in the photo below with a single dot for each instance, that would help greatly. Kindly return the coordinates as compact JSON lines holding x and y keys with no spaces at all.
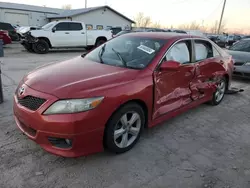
{"x":162,"y":35}
{"x":75,"y":12}
{"x":24,"y":7}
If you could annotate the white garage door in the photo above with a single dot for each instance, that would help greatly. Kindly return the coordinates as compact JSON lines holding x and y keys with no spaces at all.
{"x":16,"y":18}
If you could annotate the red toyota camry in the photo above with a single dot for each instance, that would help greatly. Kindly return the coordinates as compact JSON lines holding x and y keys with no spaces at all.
{"x":106,"y":98}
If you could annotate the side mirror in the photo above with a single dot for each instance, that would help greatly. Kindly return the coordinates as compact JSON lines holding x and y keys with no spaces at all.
{"x":53,"y":29}
{"x":170,"y":65}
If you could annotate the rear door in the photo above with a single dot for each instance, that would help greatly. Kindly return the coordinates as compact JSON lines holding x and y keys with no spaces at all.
{"x":172,"y":87}
{"x":77,"y":34}
{"x":210,"y":67}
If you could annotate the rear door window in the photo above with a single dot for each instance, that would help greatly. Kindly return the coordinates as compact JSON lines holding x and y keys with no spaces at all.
{"x":75,"y":26}
{"x":203,"y":50}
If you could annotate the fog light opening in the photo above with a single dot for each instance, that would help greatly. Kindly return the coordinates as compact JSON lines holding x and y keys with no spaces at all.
{"x":60,"y":142}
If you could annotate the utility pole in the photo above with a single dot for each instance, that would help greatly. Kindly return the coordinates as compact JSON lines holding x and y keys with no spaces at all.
{"x":85,"y":3}
{"x":221,"y":17}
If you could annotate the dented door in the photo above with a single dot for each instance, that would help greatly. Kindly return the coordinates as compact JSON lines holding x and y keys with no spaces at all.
{"x":209,"y":69}
{"x":172,"y":88}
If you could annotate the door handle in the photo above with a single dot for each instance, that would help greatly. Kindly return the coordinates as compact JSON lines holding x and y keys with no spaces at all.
{"x":222,"y":62}
{"x":66,"y":32}
{"x":82,"y":33}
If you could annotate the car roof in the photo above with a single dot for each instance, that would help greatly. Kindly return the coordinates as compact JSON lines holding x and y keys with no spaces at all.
{"x":163,"y":35}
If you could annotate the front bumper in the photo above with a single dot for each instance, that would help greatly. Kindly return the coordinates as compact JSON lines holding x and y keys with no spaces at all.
{"x":242,"y":71}
{"x":83,"y":129}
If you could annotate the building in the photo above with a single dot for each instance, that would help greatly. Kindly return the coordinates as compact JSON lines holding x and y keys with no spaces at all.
{"x":95,"y":17}
{"x":26,"y":15}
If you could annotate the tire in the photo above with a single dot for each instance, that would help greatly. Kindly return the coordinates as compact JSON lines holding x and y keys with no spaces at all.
{"x":119,"y":145}
{"x":41,"y":47}
{"x":28,"y":47}
{"x":99,"y":42}
{"x":219,"y":93}
{"x":88,"y":48}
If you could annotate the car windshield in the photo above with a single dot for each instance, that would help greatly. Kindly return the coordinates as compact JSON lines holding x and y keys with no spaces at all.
{"x":242,"y":45}
{"x":127,"y":51}
{"x":47,"y":26}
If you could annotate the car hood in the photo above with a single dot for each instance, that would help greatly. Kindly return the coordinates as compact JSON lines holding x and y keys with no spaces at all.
{"x":239,"y":56}
{"x":77,"y":77}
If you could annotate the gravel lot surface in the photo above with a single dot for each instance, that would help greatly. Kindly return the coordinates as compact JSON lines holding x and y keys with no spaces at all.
{"x":206,"y":147}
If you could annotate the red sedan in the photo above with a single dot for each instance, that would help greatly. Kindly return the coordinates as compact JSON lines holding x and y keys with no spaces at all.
{"x":106,"y":98}
{"x":5,"y":37}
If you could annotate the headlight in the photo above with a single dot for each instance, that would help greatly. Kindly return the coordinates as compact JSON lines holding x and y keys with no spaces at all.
{"x":73,"y":105}
{"x":247,"y":63}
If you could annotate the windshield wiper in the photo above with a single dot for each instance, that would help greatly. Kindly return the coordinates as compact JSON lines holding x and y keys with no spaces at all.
{"x":100,"y":54}
{"x":120,"y":57}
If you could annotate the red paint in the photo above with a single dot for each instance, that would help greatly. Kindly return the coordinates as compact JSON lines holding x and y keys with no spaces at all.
{"x":165,"y":92}
{"x":5,"y":37}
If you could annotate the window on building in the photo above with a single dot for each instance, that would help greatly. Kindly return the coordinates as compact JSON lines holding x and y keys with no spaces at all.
{"x":99,"y":27}
{"x":89,"y":26}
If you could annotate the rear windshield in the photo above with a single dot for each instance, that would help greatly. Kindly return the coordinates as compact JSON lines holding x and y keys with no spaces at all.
{"x":6,"y":26}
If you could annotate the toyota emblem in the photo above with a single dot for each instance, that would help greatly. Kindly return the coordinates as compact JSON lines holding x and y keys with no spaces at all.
{"x":21,"y":90}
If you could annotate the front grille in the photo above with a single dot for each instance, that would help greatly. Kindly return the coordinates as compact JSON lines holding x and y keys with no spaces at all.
{"x":30,"y":102}
{"x":239,"y":63}
{"x":237,"y":73}
{"x":247,"y":74}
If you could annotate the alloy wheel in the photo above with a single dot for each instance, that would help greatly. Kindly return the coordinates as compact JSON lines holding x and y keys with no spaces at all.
{"x":221,"y":88}
{"x":127,"y":129}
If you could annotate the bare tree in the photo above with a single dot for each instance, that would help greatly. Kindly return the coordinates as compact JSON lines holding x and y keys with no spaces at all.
{"x":156,"y":25}
{"x":214,"y":27}
{"x":67,"y":7}
{"x":142,"y":20}
{"x":192,"y":26}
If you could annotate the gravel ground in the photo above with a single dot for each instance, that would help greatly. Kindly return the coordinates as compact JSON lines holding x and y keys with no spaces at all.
{"x":205,"y":147}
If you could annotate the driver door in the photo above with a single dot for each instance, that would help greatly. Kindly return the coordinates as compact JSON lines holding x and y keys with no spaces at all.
{"x":172,"y":87}
{"x":61,"y":37}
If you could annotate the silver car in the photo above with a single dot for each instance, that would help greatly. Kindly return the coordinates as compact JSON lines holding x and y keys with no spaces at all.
{"x":241,"y":55}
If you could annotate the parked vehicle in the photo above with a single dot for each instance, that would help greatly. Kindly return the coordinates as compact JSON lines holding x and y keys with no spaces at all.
{"x":195,"y":33}
{"x":241,"y":55}
{"x":4,"y":35}
{"x":221,"y":41}
{"x":179,"y":31}
{"x":11,"y":30}
{"x":213,"y":38}
{"x":106,"y":98}
{"x":139,"y":29}
{"x":23,"y":30}
{"x":115,"y":30}
{"x":63,"y":34}
{"x":232,"y":39}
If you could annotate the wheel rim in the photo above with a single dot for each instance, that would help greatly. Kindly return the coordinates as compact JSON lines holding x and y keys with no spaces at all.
{"x":127,"y":129}
{"x":220,"y":91}
{"x":41,"y":47}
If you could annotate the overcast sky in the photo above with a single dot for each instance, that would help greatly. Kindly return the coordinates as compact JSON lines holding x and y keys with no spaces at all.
{"x":168,"y":12}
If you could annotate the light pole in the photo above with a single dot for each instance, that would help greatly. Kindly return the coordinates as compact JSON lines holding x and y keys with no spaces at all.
{"x":221,"y":17}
